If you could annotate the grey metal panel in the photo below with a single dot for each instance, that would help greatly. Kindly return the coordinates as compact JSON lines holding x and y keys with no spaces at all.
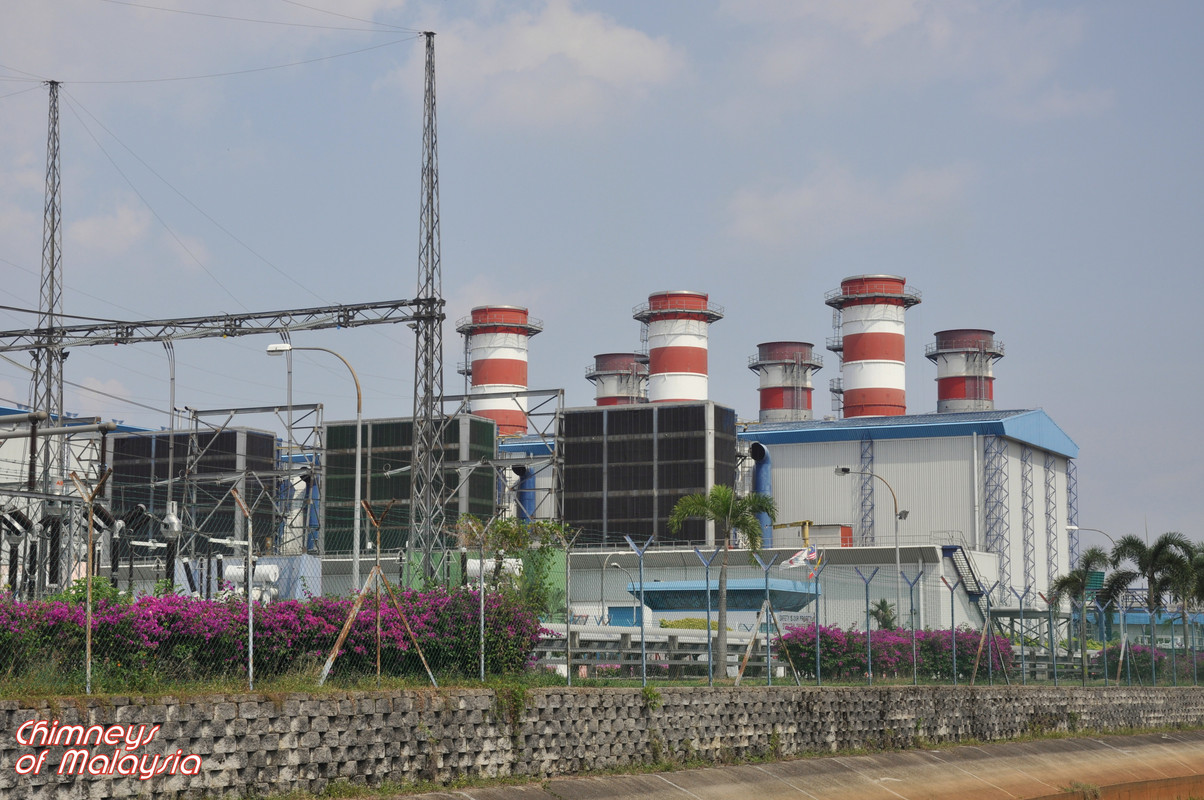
{"x":930,"y":477}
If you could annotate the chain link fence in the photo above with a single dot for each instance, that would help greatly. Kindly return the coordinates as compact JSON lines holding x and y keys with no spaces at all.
{"x":172,"y":613}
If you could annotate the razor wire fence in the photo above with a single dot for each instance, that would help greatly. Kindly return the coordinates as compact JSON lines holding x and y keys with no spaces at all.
{"x":531,"y":608}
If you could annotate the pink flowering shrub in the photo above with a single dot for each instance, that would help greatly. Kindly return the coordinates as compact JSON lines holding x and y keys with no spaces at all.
{"x":842,"y":653}
{"x":181,"y":638}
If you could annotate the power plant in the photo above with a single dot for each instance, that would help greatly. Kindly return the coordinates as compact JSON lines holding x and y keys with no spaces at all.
{"x":969,"y":496}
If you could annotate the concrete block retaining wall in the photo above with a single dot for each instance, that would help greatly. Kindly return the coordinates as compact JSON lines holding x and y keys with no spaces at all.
{"x":276,"y":743}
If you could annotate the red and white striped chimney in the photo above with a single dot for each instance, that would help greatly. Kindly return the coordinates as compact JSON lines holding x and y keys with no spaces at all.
{"x":785,"y":369}
{"x":677,"y":324}
{"x":965,"y":378}
{"x":873,"y":367}
{"x":496,"y":340}
{"x":619,"y":378}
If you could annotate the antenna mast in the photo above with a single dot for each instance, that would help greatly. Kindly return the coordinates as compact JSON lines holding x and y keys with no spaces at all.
{"x":48,"y":354}
{"x":426,"y":476}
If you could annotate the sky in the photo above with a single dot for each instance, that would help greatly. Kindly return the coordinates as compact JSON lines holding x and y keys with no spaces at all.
{"x":1034,"y":169}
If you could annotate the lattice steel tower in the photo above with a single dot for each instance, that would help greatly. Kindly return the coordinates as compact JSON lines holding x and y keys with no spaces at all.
{"x":48,"y":353}
{"x":426,"y":472}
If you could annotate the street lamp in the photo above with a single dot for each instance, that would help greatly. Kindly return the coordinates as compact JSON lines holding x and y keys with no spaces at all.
{"x":1072,"y":528}
{"x":635,"y":609}
{"x":898,"y":516}
{"x":280,"y":348}
{"x":1124,"y":609}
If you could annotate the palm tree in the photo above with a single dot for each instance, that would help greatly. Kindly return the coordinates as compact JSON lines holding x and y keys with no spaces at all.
{"x":1182,"y":584}
{"x":731,"y":514}
{"x":1160,"y":564}
{"x":883,"y":613}
{"x":1074,"y":584}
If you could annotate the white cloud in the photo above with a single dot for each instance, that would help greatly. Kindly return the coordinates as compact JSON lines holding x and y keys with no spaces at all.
{"x":104,"y":400}
{"x":868,"y":20}
{"x":189,"y":252}
{"x":554,"y":66}
{"x":1008,"y":56}
{"x":833,"y":204}
{"x":108,"y":235}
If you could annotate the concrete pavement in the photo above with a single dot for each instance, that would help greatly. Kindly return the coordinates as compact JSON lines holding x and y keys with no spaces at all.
{"x":1147,"y":765}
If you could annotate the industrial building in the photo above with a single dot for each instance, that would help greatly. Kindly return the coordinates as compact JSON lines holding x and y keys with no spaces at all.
{"x":970,"y":497}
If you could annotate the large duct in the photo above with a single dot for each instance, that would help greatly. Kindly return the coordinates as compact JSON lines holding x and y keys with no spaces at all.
{"x":676,"y":326}
{"x":496,"y":339}
{"x":763,"y":484}
{"x":785,"y":369}
{"x":619,"y":378}
{"x":873,"y":368}
{"x":965,"y":359}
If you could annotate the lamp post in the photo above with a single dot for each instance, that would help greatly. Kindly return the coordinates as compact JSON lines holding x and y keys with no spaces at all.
{"x":1124,"y":611}
{"x":280,"y":348}
{"x":635,"y":609}
{"x":1072,"y":528}
{"x":898,"y":516}
{"x":602,"y":615}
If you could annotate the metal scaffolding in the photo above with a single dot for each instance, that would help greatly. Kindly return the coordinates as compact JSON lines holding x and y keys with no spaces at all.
{"x":866,"y":466}
{"x":1051,"y":518}
{"x":1028,"y":520}
{"x":1072,"y":511}
{"x":998,"y":530}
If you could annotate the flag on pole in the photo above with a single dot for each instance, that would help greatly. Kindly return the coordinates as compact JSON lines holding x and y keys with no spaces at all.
{"x":800,"y":558}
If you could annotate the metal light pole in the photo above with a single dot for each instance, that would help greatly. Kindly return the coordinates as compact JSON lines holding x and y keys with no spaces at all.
{"x":898,"y":516}
{"x":706,"y":563}
{"x":280,"y":348}
{"x":635,"y":609}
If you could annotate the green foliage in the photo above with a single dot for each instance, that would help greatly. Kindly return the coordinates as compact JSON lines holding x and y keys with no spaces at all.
{"x":102,"y":591}
{"x":535,"y":543}
{"x":731,"y":513}
{"x":883,"y":613}
{"x":652,"y":698}
{"x":690,"y":624}
{"x":163,"y":588}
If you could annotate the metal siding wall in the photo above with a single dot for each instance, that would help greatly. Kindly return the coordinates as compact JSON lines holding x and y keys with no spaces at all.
{"x":805,"y":485}
{"x":930,"y":477}
{"x":933,"y":483}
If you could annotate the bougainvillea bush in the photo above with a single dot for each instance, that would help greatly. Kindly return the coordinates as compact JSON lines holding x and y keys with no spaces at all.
{"x":1188,"y":666}
{"x":180,"y":638}
{"x":842,"y":653}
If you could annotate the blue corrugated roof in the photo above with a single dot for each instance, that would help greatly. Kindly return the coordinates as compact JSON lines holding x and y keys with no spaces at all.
{"x":1032,"y":427}
{"x":121,"y":426}
{"x":743,"y":594}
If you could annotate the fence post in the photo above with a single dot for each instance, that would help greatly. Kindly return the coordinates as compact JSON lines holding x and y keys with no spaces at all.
{"x":1023,"y":638}
{"x":818,"y":679}
{"x":869,"y":653}
{"x":1103,"y":636}
{"x":706,"y":563}
{"x":953,"y":620}
{"x":643,"y":627}
{"x":911,"y":601}
{"x":769,"y":613}
{"x":1153,"y":616}
{"x":88,"y":497}
{"x":1194,"y":655}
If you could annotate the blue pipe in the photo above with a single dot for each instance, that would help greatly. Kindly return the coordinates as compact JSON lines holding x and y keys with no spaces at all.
{"x":763,"y":484}
{"x":526,"y":492}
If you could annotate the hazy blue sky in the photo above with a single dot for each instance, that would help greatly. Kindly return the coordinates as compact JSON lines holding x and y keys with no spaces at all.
{"x":1032,"y":168}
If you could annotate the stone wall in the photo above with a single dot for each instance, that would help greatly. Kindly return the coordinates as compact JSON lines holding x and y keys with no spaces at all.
{"x":266,"y":744}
